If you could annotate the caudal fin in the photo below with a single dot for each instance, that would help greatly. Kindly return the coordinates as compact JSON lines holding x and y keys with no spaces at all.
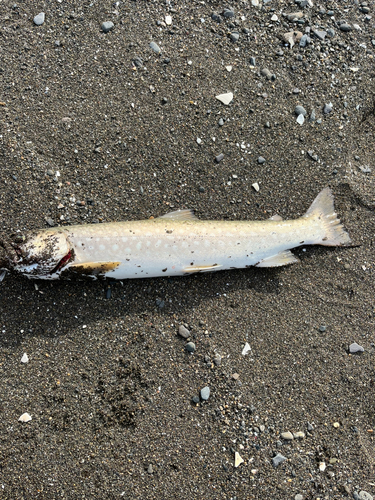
{"x":323,"y":210}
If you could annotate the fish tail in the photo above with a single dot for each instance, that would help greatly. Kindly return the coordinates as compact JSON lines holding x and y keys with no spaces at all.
{"x":322,"y":209}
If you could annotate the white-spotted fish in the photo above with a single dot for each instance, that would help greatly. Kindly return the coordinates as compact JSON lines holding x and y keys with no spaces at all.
{"x":172,"y":245}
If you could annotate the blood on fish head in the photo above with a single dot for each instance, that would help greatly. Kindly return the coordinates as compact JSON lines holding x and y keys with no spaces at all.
{"x":43,"y":254}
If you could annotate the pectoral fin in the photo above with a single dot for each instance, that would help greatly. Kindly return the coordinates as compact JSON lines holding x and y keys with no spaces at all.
{"x":94,"y":268}
{"x":280,"y":259}
{"x":202,"y":269}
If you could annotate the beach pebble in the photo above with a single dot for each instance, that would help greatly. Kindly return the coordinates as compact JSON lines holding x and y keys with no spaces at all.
{"x":274,"y":18}
{"x":300,"y":119}
{"x":228,"y":13}
{"x":278,"y":459}
{"x":267,"y":73}
{"x":252,"y":61}
{"x":327,"y":108}
{"x":25,"y":358}
{"x":39,"y":19}
{"x":225,"y":98}
{"x":190,"y":347}
{"x":255,"y":186}
{"x":304,"y":40}
{"x":261,"y":160}
{"x":234,"y":36}
{"x":150,"y":469}
{"x":345,"y":27}
{"x":183,"y":332}
{"x":299,"y":435}
{"x":300,"y":110}
{"x":155,"y":47}
{"x":219,"y":157}
{"x":25,"y":417}
{"x":288,"y":436}
{"x":205,"y":393}
{"x":168,"y":20}
{"x":220,"y":122}
{"x":107,"y":26}
{"x":354,"y":348}
{"x":298,"y":497}
{"x":238,"y":460}
{"x":294,"y":16}
{"x":246,"y":349}
{"x":322,"y":466}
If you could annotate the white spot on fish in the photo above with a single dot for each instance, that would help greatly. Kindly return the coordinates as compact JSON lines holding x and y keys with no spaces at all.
{"x":128,"y":250}
{"x":184,"y":244}
{"x":139,"y":245}
{"x":148,"y":243}
{"x":207,"y":243}
{"x":158,"y":243}
{"x":115,"y":247}
{"x":124,"y":239}
{"x":101,"y":247}
{"x":91,"y":247}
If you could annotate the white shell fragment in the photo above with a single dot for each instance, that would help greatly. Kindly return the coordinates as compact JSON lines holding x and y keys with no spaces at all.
{"x":25,"y":417}
{"x":246,"y":349}
{"x":300,"y":119}
{"x":228,"y":68}
{"x":168,"y":20}
{"x":225,"y":98}
{"x":25,"y":358}
{"x":322,"y":466}
{"x":238,"y":460}
{"x":255,"y":186}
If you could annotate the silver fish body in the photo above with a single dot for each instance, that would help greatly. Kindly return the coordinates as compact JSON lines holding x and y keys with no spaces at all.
{"x":175,"y":244}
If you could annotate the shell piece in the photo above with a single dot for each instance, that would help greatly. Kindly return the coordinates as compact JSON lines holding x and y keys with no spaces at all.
{"x":25,"y":417}
{"x":25,"y":358}
{"x":246,"y":349}
{"x":225,"y":98}
{"x":238,"y":460}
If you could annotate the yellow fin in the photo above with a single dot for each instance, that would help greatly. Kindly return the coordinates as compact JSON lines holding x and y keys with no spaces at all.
{"x":94,"y":267}
{"x":179,"y":215}
{"x":201,"y":269}
{"x":280,"y":259}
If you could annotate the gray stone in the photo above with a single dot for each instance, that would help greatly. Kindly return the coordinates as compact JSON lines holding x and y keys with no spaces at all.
{"x":320,"y":34}
{"x":253,"y":61}
{"x":234,"y":37}
{"x":345,"y":27}
{"x":190,"y":347}
{"x":221,"y":122}
{"x":300,"y":110}
{"x":195,"y":399}
{"x":327,"y":108}
{"x":216,"y":17}
{"x":278,"y":459}
{"x":150,"y":469}
{"x":266,"y":72}
{"x":304,"y":40}
{"x":261,"y":160}
{"x":217,"y":360}
{"x":331,"y":32}
{"x":228,"y":13}
{"x":312,"y":116}
{"x":183,"y":332}
{"x":205,"y":393}
{"x":39,"y":19}
{"x":309,"y":427}
{"x":155,"y":47}
{"x":219,"y":158}
{"x":355,"y":348}
{"x":107,"y":26}
{"x":298,"y":497}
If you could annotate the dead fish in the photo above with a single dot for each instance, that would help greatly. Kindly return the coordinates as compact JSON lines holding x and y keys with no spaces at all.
{"x":172,"y":245}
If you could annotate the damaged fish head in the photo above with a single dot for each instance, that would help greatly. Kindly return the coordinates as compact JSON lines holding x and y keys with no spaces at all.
{"x":43,"y":254}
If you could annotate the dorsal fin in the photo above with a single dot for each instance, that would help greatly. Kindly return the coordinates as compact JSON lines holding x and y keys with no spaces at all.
{"x":276,"y":217}
{"x":179,"y":215}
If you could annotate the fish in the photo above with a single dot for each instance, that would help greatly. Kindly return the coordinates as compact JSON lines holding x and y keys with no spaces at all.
{"x":174,"y":244}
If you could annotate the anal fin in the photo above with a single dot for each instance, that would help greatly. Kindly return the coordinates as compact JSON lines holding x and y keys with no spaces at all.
{"x":280,"y":259}
{"x":202,"y":269}
{"x":94,"y":268}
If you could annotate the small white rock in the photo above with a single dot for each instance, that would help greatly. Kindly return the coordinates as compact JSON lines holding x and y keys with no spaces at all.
{"x":168,"y":20}
{"x":322,"y":466}
{"x":228,"y":68}
{"x":255,"y":186}
{"x":225,"y":98}
{"x":25,"y":358}
{"x":25,"y":417}
{"x":199,"y":141}
{"x":300,"y":119}
{"x":238,"y":460}
{"x":274,"y":18}
{"x":246,"y":349}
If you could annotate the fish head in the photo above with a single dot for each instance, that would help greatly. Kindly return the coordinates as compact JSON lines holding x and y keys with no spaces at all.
{"x":42,"y":254}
